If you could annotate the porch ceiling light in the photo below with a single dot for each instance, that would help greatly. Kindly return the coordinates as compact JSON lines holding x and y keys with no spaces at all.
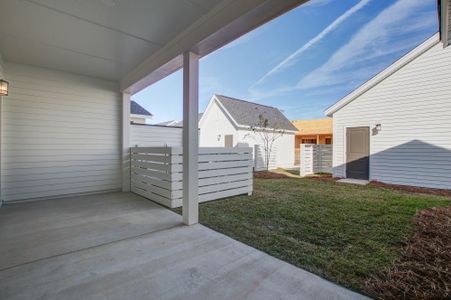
{"x":3,"y":87}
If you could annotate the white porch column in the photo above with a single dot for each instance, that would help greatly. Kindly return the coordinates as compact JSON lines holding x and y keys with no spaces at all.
{"x":125,"y":142}
{"x":190,"y":138}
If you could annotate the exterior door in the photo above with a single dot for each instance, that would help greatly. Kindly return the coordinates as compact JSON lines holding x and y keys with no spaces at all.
{"x":228,"y":140}
{"x":358,"y":153}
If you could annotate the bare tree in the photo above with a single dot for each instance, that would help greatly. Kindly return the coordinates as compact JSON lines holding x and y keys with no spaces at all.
{"x":268,"y":133}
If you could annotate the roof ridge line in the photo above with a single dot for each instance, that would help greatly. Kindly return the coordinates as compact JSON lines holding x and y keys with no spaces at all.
{"x":236,"y":99}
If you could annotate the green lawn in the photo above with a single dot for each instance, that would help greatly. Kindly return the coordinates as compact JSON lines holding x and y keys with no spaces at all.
{"x":344,"y":233}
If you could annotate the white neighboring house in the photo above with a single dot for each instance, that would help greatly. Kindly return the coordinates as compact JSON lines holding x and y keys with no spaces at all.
{"x":138,"y":114}
{"x":396,"y":128}
{"x":228,"y":122}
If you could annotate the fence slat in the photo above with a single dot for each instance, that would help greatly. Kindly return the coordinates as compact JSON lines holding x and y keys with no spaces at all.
{"x":224,"y":194}
{"x":222,"y":157}
{"x":224,"y":165}
{"x":224,"y":186}
{"x":222,"y":179}
{"x":157,"y":173}
{"x":315,"y":159}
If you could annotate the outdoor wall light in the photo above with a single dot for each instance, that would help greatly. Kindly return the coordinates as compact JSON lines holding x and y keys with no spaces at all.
{"x":3,"y":87}
{"x":378,"y":127}
{"x":219,"y":137}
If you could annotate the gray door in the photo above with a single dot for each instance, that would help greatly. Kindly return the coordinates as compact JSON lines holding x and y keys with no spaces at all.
{"x":358,"y":152}
{"x":228,"y":140}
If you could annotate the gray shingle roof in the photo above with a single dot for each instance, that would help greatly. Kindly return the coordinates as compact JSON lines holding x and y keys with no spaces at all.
{"x":136,"y":109}
{"x":247,"y":113}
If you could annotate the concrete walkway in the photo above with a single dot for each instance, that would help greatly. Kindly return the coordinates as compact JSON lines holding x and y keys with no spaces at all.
{"x":354,"y":181}
{"x":121,"y":246}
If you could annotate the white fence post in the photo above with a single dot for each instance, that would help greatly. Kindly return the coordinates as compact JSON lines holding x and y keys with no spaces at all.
{"x":306,"y":167}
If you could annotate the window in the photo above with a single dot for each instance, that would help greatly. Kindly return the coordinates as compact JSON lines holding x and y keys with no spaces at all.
{"x":308,"y":141}
{"x":328,"y":141}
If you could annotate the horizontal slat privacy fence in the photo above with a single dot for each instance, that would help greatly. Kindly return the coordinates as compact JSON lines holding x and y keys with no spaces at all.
{"x":315,"y":159}
{"x":260,"y":158}
{"x":157,"y":173}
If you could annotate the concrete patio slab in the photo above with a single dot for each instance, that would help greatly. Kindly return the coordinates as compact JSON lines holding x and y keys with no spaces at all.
{"x":36,"y":230}
{"x":171,"y":261}
{"x":353,"y":181}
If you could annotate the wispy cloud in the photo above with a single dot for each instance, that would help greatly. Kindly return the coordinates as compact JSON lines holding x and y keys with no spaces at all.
{"x":243,"y":39}
{"x":368,"y":51}
{"x":372,"y":38}
{"x":291,"y":59}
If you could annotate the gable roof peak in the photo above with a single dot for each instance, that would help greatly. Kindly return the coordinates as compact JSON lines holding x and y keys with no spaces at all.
{"x":246,"y":113}
{"x":136,"y":109}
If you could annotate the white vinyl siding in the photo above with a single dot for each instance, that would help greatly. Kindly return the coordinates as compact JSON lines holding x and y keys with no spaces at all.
{"x":155,"y":136}
{"x":216,"y":123}
{"x":414,"y":108}
{"x":282,"y":150}
{"x":214,"y":126}
{"x":61,"y":134}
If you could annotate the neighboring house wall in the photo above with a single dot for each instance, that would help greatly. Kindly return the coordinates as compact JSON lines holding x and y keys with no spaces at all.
{"x":215,"y":123}
{"x":414,"y":108}
{"x":155,"y":136}
{"x":320,"y":139}
{"x":62,"y":134}
{"x":282,"y":148}
{"x":317,"y":131}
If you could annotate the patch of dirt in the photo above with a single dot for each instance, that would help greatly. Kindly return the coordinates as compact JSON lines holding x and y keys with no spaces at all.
{"x":323,"y":177}
{"x":412,"y":189}
{"x":424,"y":268}
{"x":269,"y":175}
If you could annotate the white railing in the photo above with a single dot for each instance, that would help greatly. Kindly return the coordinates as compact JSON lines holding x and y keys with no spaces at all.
{"x":315,"y":159}
{"x":157,"y":173}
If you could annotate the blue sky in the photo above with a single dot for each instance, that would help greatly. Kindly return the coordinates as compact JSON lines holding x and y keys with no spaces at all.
{"x":305,"y":60}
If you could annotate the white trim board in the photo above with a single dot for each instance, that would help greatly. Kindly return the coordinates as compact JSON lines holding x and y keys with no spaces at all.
{"x":445,"y":25}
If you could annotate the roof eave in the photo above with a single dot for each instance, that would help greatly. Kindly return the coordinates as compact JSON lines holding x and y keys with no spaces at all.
{"x":232,"y":119}
{"x":426,"y":45}
{"x":247,"y":127}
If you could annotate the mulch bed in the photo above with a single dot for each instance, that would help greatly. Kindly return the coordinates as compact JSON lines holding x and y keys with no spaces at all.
{"x":269,"y":175}
{"x":412,"y":189}
{"x":325,"y":177}
{"x":424,"y":269}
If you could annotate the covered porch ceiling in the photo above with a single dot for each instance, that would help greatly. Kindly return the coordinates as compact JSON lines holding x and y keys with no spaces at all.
{"x":134,"y":42}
